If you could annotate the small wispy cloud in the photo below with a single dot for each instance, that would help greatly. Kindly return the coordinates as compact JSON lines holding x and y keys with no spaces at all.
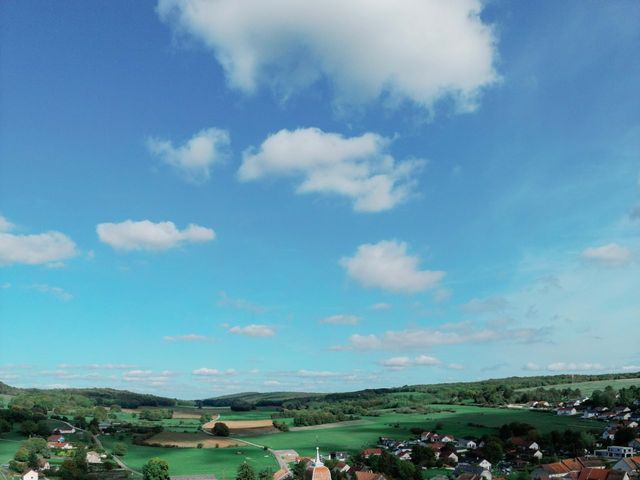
{"x":57,"y":292}
{"x":398,"y":363}
{"x":224,"y":300}
{"x":611,"y":254}
{"x":253,"y":330}
{"x":341,"y":319}
{"x":190,"y":337}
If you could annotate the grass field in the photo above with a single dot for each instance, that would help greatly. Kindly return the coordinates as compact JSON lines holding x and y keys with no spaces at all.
{"x":223,"y":462}
{"x":9,"y":444}
{"x":587,"y":388}
{"x":354,"y":437}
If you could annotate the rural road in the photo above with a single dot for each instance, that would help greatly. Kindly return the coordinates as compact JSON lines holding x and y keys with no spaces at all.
{"x":98,"y":443}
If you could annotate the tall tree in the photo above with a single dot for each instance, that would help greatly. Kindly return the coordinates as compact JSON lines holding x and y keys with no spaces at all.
{"x":155,"y":469}
{"x":246,"y":472}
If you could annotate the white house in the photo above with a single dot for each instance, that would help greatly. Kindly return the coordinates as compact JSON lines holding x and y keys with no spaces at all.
{"x":567,"y":411}
{"x":30,"y":475}
{"x":466,"y":443}
{"x":485,"y":464}
{"x":537,"y":455}
{"x":93,"y":457}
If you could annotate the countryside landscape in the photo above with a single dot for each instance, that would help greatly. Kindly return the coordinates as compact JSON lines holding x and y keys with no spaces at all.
{"x":277,"y":435}
{"x":319,"y":240}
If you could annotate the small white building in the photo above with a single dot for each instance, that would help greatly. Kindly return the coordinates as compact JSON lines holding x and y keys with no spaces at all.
{"x":466,"y":443}
{"x":485,"y":464}
{"x":30,"y":475}
{"x":93,"y":457}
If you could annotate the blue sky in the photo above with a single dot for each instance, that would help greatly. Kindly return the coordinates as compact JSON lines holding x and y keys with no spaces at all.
{"x":200,"y":198}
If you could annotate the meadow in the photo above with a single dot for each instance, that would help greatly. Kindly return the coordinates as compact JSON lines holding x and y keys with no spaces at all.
{"x":587,"y":388}
{"x":9,"y":444}
{"x":457,"y":420}
{"x":223,"y":462}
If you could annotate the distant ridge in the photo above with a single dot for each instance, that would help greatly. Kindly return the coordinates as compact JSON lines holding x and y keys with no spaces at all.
{"x":128,"y":399}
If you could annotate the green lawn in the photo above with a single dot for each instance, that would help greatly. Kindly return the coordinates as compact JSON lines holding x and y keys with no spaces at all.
{"x":353,"y":438}
{"x":223,"y":462}
{"x":9,"y":444}
{"x":587,"y":388}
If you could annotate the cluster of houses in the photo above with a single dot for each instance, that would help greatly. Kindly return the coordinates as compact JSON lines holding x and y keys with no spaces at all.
{"x":589,"y":468}
{"x":57,"y":442}
{"x":452,"y":451}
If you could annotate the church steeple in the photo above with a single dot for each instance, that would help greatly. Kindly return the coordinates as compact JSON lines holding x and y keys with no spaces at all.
{"x":316,"y":470}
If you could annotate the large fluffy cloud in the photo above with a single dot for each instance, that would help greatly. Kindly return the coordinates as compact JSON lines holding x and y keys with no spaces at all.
{"x":147,"y":235}
{"x":406,"y":50}
{"x":195,"y":157}
{"x":356,"y":167}
{"x":43,"y":248}
{"x":387,"y":265}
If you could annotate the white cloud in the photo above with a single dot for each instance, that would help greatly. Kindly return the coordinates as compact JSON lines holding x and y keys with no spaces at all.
{"x":341,"y":319}
{"x":49,"y":248}
{"x":195,"y":158}
{"x":355,"y":167}
{"x":57,"y":292}
{"x":398,"y":363}
{"x":212,"y":372}
{"x":563,"y":367}
{"x":5,"y":225}
{"x":387,"y":265}
{"x":253,"y":330}
{"x":631,"y":368}
{"x":190,"y":337}
{"x":610,"y":255}
{"x":380,"y":306}
{"x":148,"y":378}
{"x":455,"y":366}
{"x":427,"y":338}
{"x":418,"y":51}
{"x":146,"y":235}
{"x":313,"y":374}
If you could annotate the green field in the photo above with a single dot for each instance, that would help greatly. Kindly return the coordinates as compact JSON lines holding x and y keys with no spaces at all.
{"x":223,"y":462}
{"x":587,"y":388}
{"x":9,"y":444}
{"x":354,"y":437}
